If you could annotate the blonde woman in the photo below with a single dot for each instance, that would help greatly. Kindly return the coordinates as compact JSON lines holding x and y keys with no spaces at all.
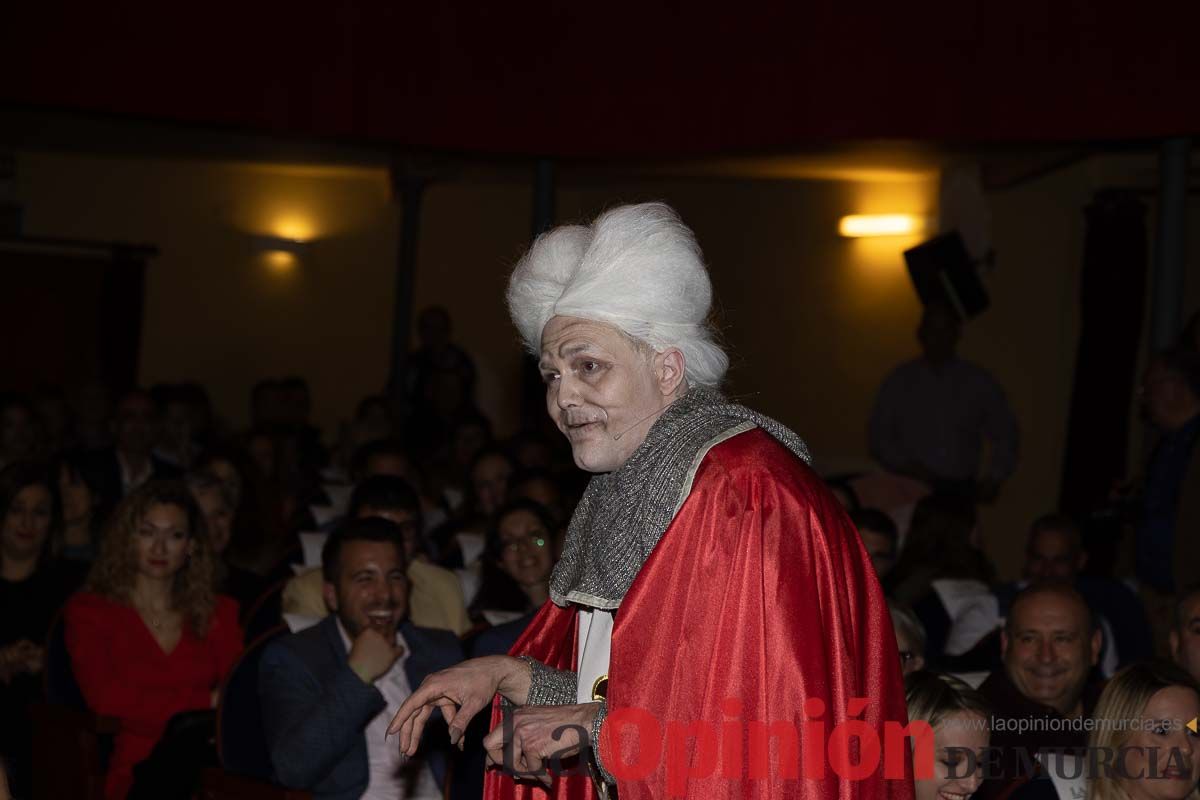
{"x":149,"y":637}
{"x":959,"y":718}
{"x":1142,"y":718}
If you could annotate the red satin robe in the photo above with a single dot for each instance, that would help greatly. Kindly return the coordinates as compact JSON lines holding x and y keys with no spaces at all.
{"x":758,"y":612}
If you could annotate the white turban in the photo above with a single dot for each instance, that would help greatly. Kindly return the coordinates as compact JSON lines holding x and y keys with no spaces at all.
{"x":637,"y":268}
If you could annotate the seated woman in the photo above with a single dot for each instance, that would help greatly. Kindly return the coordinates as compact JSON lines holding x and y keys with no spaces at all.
{"x":959,"y":717}
{"x":517,"y":563}
{"x":150,"y":637}
{"x":1142,"y":717}
{"x":33,"y":587}
{"x":910,"y":637}
{"x":80,"y":500}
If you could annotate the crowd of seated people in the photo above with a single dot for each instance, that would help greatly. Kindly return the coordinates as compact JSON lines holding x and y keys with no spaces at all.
{"x":156,"y":543}
{"x":165,"y":545}
{"x":1058,"y":662}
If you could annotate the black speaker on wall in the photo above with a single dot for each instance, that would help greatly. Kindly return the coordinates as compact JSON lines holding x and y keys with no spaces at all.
{"x":942,"y":272}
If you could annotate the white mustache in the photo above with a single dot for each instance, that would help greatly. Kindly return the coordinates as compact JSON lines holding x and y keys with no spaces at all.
{"x":570,"y":420}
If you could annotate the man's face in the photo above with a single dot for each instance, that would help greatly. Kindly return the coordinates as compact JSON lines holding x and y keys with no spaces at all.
{"x":1162,"y":390}
{"x":489,"y":480}
{"x":601,"y":392}
{"x":136,"y":419}
{"x":1185,"y":639}
{"x":939,"y":333}
{"x":18,"y":433}
{"x":1049,"y":651}
{"x":1052,"y":555}
{"x":218,"y":517}
{"x":881,"y":550}
{"x":433,"y":329}
{"x":371,"y":589}
{"x":403,"y":519}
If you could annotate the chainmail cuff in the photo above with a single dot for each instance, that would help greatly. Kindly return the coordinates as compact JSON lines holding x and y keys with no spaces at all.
{"x":601,"y":715}
{"x":549,"y":686}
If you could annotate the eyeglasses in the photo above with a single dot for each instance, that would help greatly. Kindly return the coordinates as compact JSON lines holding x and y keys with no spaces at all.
{"x":517,"y":545}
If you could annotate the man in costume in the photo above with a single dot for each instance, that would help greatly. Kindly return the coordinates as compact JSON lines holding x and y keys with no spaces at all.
{"x":715,"y":628}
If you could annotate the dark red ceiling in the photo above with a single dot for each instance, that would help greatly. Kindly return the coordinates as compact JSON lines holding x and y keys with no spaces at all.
{"x":601,"y":79}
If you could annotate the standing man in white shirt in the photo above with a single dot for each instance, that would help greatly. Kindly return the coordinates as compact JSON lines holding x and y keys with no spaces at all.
{"x":933,"y":414}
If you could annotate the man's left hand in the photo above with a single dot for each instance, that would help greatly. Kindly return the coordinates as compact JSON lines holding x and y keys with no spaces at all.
{"x":539,"y":734}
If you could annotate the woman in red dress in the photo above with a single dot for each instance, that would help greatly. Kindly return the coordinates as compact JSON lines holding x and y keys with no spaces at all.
{"x":149,"y":637}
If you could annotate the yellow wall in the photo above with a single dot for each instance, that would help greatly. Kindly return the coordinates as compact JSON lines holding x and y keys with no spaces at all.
{"x":814,"y":321}
{"x":216,"y":310}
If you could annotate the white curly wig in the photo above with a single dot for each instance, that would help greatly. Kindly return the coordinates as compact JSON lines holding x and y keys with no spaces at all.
{"x":637,"y":268}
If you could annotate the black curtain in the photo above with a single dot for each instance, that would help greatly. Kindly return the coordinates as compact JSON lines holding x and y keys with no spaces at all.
{"x":1112,"y":302}
{"x":68,"y":318}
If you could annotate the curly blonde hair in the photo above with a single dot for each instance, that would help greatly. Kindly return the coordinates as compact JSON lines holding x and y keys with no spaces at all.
{"x":115,"y":571}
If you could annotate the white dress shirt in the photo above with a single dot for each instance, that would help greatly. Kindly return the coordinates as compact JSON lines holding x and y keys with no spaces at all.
{"x":390,"y":777}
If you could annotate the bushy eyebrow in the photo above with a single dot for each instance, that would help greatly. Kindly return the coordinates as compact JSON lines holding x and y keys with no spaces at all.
{"x":566,"y":352}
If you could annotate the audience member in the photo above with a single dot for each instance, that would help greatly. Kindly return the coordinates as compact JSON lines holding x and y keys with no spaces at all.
{"x":92,"y":407}
{"x":959,"y":718}
{"x":329,"y":692}
{"x":933,"y":414}
{"x":435,"y":599}
{"x":33,"y":587}
{"x":297,"y":412}
{"x":532,"y":451}
{"x":1054,"y":552}
{"x":18,"y":430}
{"x":1184,"y":638}
{"x":946,"y":579}
{"x":1050,"y":645}
{"x":879,"y":536}
{"x":1142,"y":719}
{"x":217,"y":504}
{"x":1168,"y":545}
{"x":178,"y":442}
{"x":150,"y":637}
{"x":436,"y":353}
{"x":844,"y":493}
{"x":130,"y":462}
{"x":517,"y":563}
{"x":540,"y":486}
{"x":910,"y":637}
{"x":490,"y":474}
{"x":391,"y":457}
{"x":81,"y":522}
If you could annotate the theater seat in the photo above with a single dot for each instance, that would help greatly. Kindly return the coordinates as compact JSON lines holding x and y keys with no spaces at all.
{"x":71,"y":745}
{"x":265,"y":614}
{"x":245,"y":772}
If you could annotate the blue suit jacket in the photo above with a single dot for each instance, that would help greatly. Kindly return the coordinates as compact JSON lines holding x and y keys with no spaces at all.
{"x":315,"y":708}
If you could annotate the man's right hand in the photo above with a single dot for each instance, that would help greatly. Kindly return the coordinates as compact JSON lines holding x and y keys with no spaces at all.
{"x":371,"y":655}
{"x":461,"y":692}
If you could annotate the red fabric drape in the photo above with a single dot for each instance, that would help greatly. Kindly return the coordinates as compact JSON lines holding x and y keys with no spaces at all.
{"x":758,"y":611}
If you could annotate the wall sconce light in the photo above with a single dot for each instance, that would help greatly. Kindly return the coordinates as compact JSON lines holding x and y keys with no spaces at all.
{"x":279,"y":244}
{"x":859,"y":225}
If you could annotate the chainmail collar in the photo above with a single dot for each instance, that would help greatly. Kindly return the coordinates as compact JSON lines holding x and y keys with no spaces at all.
{"x":624,"y":513}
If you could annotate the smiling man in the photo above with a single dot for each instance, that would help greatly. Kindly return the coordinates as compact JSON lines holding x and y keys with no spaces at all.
{"x":708,"y":579}
{"x":1050,"y":643}
{"x":329,"y":691}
